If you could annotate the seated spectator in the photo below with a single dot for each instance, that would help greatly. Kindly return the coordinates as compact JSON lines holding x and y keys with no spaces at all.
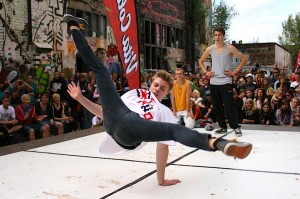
{"x":259,"y":78}
{"x":265,"y":84}
{"x":16,"y":91}
{"x":295,"y":110}
{"x":249,"y":94}
{"x":276,"y":99}
{"x":31,"y":87}
{"x":249,"y":85}
{"x":250,"y":114}
{"x":195,"y":101}
{"x":242,"y":94}
{"x":73,"y":124}
{"x":289,"y":95}
{"x":240,"y":82}
{"x":45,"y":110}
{"x":59,"y":85}
{"x":266,"y":114}
{"x":59,"y":113}
{"x":282,"y":83}
{"x":270,"y":92}
{"x":71,"y":79}
{"x":260,"y":98}
{"x":274,"y":76}
{"x":8,"y":118}
{"x":26,"y":115}
{"x":284,"y":115}
{"x":207,"y":109}
{"x":295,"y":85}
{"x":205,"y":86}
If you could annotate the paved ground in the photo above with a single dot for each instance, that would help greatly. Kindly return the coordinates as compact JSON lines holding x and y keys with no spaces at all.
{"x":69,"y":166}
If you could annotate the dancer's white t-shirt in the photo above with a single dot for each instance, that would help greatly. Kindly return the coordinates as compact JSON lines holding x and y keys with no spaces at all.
{"x":148,"y":107}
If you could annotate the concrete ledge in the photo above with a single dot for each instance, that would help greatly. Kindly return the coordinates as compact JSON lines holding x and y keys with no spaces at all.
{"x":24,"y":146}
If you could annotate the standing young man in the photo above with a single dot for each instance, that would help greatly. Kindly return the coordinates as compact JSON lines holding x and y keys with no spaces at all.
{"x":221,"y":79}
{"x":181,"y":99}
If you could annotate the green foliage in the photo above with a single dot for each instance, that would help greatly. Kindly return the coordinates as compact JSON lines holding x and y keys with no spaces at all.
{"x":222,"y":14}
{"x":290,"y":38}
{"x":200,"y":12}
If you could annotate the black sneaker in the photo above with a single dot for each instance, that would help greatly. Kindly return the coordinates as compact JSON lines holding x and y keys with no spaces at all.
{"x":238,"y":132}
{"x":79,"y":22}
{"x":221,"y":131}
{"x":237,"y":149}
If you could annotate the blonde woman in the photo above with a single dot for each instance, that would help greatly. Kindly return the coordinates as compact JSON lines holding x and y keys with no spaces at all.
{"x":60,"y":113}
{"x":250,"y":114}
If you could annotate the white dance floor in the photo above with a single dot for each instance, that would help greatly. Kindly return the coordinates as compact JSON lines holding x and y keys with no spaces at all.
{"x":75,"y":170}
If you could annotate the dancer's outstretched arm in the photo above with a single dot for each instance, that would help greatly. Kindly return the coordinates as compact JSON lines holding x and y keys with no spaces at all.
{"x":162,"y":152}
{"x":76,"y":94}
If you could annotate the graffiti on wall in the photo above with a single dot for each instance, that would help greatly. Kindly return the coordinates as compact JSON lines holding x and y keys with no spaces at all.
{"x":47,"y":28}
{"x":17,"y":59}
{"x":9,"y":35}
{"x":171,"y":12}
{"x":42,"y":78}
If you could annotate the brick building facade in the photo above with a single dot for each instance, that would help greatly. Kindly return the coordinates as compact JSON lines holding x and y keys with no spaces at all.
{"x":34,"y":40}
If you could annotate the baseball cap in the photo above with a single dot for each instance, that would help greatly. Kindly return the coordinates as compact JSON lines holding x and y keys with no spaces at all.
{"x":249,"y":75}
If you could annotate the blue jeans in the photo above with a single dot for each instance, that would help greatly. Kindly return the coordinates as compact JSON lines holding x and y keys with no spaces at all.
{"x":127,"y":128}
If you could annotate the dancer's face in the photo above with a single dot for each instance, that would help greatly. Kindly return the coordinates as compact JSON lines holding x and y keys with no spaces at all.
{"x":159,"y":88}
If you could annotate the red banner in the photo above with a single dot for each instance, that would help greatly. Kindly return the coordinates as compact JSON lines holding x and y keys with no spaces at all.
{"x":297,"y":66}
{"x":122,"y":17}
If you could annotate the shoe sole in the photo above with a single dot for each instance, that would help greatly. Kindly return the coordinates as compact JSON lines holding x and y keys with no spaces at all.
{"x":220,"y":132}
{"x":69,"y":17}
{"x":238,"y":150}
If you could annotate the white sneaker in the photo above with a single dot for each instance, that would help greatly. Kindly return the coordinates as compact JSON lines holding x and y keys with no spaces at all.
{"x":238,"y":132}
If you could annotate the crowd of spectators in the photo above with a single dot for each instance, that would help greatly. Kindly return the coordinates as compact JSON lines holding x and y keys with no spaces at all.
{"x":260,"y":97}
{"x":26,"y":114}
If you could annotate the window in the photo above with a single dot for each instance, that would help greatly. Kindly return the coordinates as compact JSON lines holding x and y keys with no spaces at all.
{"x":163,"y":35}
{"x":147,"y":32}
{"x":157,"y":38}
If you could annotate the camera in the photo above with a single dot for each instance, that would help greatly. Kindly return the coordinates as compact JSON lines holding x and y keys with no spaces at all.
{"x":20,"y":83}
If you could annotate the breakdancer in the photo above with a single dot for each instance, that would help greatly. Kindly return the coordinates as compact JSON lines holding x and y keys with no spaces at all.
{"x":127,"y":126}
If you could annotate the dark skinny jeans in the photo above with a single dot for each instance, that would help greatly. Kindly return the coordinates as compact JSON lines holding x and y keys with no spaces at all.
{"x":127,"y":128}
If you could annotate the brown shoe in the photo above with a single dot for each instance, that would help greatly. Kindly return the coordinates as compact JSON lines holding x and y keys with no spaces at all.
{"x":237,"y":149}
